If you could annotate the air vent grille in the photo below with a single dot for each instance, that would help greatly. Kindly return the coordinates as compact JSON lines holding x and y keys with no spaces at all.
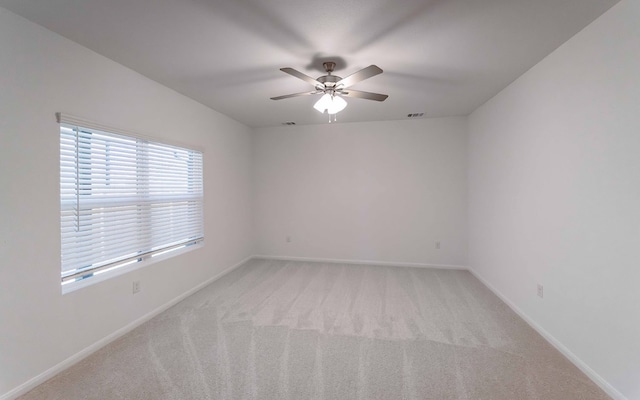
{"x":415,"y":115}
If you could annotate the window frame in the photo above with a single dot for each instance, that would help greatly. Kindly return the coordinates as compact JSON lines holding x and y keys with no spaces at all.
{"x":192,"y":194}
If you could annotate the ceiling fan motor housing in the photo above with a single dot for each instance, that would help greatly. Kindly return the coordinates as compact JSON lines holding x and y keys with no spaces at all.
{"x":329,"y":81}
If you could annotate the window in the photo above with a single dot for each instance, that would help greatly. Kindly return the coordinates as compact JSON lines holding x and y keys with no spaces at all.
{"x":124,"y":199}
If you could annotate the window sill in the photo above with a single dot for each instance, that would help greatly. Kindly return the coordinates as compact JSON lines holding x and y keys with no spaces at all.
{"x":124,"y":269}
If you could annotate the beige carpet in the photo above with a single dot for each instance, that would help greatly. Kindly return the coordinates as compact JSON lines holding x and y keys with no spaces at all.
{"x":294,"y":330}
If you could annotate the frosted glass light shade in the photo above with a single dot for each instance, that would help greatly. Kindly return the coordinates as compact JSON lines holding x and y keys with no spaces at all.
{"x":338,"y":104}
{"x":332,"y":104}
{"x":323,"y":103}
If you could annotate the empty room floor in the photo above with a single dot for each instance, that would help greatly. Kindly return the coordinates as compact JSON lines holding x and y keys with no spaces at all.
{"x":300,"y":330}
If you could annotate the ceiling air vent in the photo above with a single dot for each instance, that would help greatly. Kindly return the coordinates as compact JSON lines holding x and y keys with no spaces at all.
{"x":288,"y":123}
{"x":415,"y":115}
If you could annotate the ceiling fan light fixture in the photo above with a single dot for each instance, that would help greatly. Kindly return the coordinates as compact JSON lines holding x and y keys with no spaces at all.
{"x":333,"y":88}
{"x":331,"y":104}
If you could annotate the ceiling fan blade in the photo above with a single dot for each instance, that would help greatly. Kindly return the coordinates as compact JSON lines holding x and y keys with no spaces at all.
{"x":302,"y":76}
{"x":364,"y":95}
{"x":365,"y":73}
{"x":286,"y":96}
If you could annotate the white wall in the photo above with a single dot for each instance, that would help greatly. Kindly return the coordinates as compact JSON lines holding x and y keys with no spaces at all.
{"x":554,"y":195}
{"x":41,"y":73}
{"x":381,"y":191}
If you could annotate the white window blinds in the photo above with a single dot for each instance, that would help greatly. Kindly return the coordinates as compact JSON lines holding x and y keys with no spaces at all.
{"x":123,"y":198}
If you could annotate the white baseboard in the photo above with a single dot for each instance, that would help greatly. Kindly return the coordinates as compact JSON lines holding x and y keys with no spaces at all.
{"x":597,"y":379}
{"x":82,"y":354}
{"x":367,"y":262}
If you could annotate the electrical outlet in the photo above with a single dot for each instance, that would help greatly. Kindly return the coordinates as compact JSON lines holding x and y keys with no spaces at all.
{"x":540,"y":291}
{"x":288,"y":239}
{"x":136,"y":287}
{"x":438,"y":245}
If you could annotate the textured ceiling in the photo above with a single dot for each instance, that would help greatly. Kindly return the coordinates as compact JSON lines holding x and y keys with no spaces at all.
{"x":439,"y":57}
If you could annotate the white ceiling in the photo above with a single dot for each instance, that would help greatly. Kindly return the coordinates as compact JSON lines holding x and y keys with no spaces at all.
{"x":440,"y":57}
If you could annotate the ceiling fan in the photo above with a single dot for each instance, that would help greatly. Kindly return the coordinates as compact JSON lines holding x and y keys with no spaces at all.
{"x":334,"y":87}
